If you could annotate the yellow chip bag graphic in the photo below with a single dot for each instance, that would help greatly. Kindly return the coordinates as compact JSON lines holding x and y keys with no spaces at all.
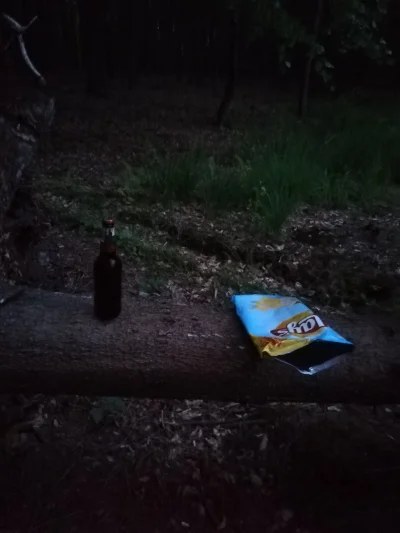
{"x":285,"y":329}
{"x":276,"y":347}
{"x":265,"y":303}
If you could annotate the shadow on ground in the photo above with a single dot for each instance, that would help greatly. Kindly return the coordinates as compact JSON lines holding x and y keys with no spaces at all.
{"x":196,"y":466}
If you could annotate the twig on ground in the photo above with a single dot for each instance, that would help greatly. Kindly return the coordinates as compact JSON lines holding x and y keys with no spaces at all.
{"x":217,"y":422}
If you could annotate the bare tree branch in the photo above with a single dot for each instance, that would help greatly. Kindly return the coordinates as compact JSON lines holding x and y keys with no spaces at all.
{"x":28,"y":61}
{"x":20,"y":31}
{"x":16,"y":26}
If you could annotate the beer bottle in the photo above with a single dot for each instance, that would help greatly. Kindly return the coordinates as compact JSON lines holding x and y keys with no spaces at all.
{"x":107,"y":271}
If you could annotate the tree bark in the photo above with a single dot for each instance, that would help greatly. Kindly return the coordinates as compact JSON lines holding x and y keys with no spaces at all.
{"x":50,"y":343}
{"x":18,"y":146}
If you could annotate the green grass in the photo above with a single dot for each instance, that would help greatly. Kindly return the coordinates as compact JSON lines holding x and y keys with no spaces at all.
{"x":137,"y":243}
{"x":342,"y":155}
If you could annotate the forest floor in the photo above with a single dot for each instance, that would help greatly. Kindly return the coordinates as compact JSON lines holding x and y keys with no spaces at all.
{"x":121,"y":464}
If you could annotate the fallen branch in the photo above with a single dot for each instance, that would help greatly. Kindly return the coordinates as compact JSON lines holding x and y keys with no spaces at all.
{"x":220,"y":422}
{"x":50,"y":343}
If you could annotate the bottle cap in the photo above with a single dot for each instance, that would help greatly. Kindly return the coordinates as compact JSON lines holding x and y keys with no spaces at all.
{"x":108,"y":223}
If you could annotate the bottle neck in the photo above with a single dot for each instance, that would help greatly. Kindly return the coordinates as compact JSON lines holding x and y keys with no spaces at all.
{"x":108,"y":245}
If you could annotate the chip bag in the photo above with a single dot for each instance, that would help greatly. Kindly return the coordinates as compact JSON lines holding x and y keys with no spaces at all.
{"x":284,"y":328}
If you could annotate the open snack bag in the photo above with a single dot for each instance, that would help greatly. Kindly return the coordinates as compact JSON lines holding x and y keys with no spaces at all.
{"x":284,"y":328}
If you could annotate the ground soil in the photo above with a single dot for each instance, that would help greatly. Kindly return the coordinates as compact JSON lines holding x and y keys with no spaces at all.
{"x":87,"y":464}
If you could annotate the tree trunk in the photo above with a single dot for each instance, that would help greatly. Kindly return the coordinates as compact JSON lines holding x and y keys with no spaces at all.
{"x":231,"y":78}
{"x":127,"y":49}
{"x":50,"y":343}
{"x":138,"y":56}
{"x":18,"y":146}
{"x":149,"y":45}
{"x":214,"y":60}
{"x":178,"y":40}
{"x":77,"y":35}
{"x":93,"y":27}
{"x":305,"y":87}
{"x":27,"y":113}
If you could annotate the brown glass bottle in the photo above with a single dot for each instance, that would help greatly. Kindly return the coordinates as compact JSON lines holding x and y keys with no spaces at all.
{"x":107,"y":272}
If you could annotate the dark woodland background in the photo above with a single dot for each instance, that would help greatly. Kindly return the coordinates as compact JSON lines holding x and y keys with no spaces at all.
{"x":193,"y":41}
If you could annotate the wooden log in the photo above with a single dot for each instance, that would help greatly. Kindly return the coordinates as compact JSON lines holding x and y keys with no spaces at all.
{"x":51,"y":343}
